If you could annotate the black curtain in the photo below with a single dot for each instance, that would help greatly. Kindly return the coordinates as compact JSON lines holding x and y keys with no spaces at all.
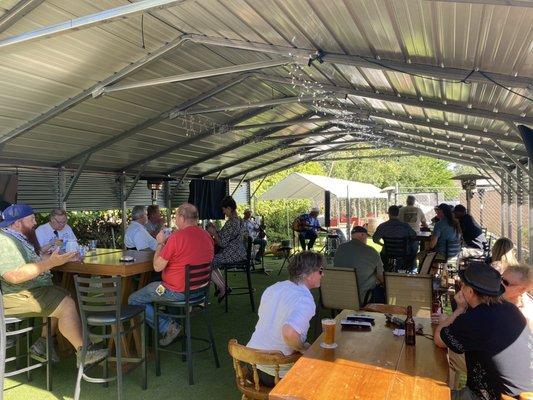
{"x":206,"y":196}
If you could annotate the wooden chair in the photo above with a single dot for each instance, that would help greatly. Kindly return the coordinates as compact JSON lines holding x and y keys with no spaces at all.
{"x":385,"y":309}
{"x":339,"y":290}
{"x":250,"y":386}
{"x":425,"y":266}
{"x":409,"y":290}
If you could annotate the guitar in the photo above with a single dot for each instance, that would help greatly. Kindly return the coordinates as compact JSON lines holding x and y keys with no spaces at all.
{"x":299,"y":224}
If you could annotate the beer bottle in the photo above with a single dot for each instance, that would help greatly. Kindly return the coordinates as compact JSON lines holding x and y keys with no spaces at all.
{"x":410,"y":329}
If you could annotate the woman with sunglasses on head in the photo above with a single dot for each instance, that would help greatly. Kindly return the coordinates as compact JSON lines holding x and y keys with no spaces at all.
{"x":285,"y":312}
{"x":502,"y":254}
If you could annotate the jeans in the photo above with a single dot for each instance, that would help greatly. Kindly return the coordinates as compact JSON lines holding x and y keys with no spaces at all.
{"x":145,"y":297}
{"x":311,"y":235}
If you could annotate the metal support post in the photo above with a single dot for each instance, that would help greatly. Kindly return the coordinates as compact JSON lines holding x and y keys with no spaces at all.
{"x":530,"y":219}
{"x":238,"y":185}
{"x":348,"y":214}
{"x":519,"y":208}
{"x":258,"y":186}
{"x":503,"y":210}
{"x":62,"y":184}
{"x":168,"y":198}
{"x":123,"y":199}
{"x":75,"y":178}
{"x":134,"y":183}
{"x":510,"y":207}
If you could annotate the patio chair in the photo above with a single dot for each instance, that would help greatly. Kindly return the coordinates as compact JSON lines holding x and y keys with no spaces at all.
{"x":425,"y":265}
{"x":101,"y":311}
{"x":248,"y":383}
{"x":409,"y":290}
{"x":197,"y":282}
{"x":244,"y":266}
{"x":397,"y":252}
{"x":12,"y":331}
{"x":339,"y":290}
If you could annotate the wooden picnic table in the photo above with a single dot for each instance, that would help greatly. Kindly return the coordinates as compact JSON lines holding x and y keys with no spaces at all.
{"x":106,"y":262}
{"x":368,"y":365}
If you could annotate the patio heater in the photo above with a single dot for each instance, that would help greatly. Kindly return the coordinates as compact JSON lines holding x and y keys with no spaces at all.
{"x":468,"y":183}
{"x":155,"y":185}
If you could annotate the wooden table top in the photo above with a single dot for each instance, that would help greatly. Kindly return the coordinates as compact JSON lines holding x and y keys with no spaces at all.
{"x":368,"y":365}
{"x":109,"y":264}
{"x":100,"y":250}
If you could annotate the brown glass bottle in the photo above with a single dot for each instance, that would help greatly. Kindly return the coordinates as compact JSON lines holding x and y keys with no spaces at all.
{"x":410,"y":329}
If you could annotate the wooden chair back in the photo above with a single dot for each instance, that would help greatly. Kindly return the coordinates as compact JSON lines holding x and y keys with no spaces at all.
{"x":409,"y":290}
{"x":338,"y":289}
{"x":425,"y":267}
{"x":250,"y":386}
{"x":385,"y":308}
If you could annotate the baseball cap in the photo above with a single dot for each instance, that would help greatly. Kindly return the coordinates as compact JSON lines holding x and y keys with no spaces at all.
{"x":315,"y":209}
{"x":482,"y":277}
{"x":359,"y":229}
{"x":460,"y":208}
{"x":15,"y":212}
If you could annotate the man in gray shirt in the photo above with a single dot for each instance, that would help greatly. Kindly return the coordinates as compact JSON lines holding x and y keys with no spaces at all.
{"x":366,"y":261}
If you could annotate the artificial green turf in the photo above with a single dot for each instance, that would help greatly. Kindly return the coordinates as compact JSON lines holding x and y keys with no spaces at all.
{"x":210,"y":382}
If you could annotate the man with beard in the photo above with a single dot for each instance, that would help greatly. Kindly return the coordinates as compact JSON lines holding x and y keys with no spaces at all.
{"x":27,"y":282}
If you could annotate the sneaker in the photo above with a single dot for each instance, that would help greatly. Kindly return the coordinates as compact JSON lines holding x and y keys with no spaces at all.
{"x":38,"y":349}
{"x":92,"y":356}
{"x":171,"y":334}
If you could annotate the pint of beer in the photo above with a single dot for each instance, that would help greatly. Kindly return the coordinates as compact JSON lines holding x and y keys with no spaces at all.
{"x":328,"y":327}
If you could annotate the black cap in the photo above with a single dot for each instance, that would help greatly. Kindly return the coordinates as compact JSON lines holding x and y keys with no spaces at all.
{"x":359,"y":229}
{"x":483,"y":278}
{"x":443,"y":206}
{"x":459,"y":208}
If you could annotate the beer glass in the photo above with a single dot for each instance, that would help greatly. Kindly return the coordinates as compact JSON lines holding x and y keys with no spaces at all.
{"x":328,"y":328}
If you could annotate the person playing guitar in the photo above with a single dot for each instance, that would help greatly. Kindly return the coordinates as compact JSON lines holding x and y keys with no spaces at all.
{"x":307,"y":225}
{"x":256,"y":232}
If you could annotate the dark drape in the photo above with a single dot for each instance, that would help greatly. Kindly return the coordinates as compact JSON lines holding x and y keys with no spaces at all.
{"x":206,"y":196}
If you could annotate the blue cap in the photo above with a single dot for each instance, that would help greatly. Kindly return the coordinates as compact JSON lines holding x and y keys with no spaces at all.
{"x":15,"y":212}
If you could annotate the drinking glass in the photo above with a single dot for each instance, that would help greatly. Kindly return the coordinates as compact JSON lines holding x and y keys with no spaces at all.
{"x":92,"y":244}
{"x":328,"y":328}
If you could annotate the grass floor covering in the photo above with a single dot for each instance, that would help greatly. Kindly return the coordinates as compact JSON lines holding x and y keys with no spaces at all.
{"x":210,"y":382}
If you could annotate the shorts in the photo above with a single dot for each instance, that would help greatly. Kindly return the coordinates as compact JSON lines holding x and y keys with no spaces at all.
{"x":36,"y":302}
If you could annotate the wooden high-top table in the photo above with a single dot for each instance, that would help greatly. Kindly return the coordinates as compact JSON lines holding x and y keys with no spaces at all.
{"x":368,"y":365}
{"x":106,"y":262}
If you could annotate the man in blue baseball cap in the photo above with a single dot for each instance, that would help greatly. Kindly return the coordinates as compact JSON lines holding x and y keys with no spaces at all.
{"x":27,"y":281}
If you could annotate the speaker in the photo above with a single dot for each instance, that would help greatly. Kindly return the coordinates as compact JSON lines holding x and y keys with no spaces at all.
{"x":327,"y":208}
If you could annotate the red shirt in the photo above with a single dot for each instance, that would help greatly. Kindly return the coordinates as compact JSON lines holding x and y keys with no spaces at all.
{"x":189,"y":246}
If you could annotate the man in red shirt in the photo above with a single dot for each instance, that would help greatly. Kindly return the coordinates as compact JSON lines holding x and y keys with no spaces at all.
{"x":189,"y":245}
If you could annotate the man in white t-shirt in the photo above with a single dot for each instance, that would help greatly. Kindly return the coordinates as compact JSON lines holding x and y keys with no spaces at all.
{"x":137,"y":237}
{"x":412,"y":214}
{"x":57,"y":228}
{"x":285,"y":312}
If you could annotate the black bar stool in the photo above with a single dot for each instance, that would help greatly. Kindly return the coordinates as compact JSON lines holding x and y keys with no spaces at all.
{"x":12,"y":331}
{"x":197,"y":281}
{"x":101,"y":311}
{"x":241,"y":266}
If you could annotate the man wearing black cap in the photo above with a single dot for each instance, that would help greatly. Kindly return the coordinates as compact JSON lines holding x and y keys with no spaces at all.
{"x":27,"y":281}
{"x":492,"y":333}
{"x":365,"y":259}
{"x":473,"y":237}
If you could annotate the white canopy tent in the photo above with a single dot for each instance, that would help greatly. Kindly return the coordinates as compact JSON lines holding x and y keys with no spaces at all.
{"x":313,"y":187}
{"x":304,"y":186}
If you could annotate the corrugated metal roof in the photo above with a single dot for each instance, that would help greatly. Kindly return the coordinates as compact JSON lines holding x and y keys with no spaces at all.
{"x":38,"y":76}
